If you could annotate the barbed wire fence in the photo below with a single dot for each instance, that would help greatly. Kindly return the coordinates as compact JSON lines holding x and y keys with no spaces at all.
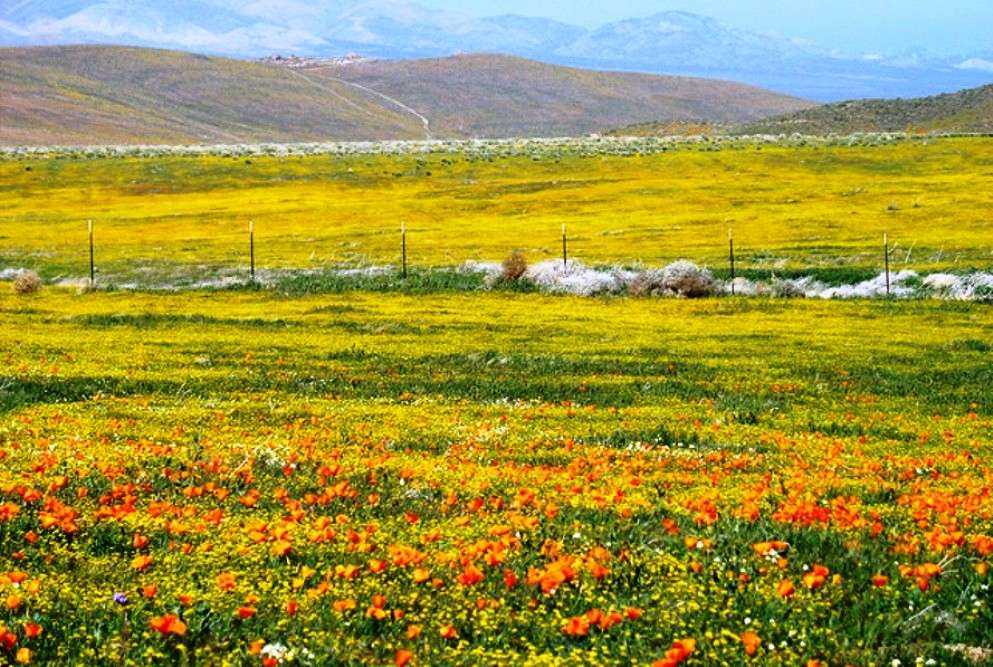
{"x":732,"y":257}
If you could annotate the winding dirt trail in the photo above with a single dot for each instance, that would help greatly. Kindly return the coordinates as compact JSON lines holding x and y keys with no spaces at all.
{"x":395,"y":102}
{"x":327,"y":89}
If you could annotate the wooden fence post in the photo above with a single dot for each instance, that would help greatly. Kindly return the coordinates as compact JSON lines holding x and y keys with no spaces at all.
{"x":886,"y":260}
{"x":731,"y":256}
{"x":251,"y":249}
{"x":93,"y":271}
{"x":403,"y":248}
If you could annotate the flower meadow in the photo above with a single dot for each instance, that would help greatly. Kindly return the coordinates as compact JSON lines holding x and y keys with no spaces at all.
{"x":251,"y":478}
{"x":799,"y":208}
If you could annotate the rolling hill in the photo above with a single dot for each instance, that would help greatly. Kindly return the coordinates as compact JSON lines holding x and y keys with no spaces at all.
{"x":100,"y":94}
{"x":498,"y":96}
{"x":965,"y":111}
{"x":97,"y":94}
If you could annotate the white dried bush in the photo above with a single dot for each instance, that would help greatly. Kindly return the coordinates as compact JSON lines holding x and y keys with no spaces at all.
{"x":742,"y":287}
{"x":574,"y":277}
{"x":785,"y":288}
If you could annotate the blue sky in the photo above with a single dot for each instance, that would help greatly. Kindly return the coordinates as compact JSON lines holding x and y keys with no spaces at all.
{"x":946,"y":27}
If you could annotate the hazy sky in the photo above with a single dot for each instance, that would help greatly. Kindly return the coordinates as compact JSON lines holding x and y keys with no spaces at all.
{"x":948,"y":26}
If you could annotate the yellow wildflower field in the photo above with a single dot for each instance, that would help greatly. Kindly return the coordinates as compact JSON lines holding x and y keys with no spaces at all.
{"x":792,"y":207}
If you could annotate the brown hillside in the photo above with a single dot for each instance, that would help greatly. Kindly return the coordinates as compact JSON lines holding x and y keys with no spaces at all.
{"x":100,"y":94}
{"x":493,"y":95}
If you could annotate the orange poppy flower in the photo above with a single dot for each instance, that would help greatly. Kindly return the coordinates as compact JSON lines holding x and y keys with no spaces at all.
{"x":9,"y":510}
{"x":816,"y":577}
{"x":378,"y":601}
{"x":597,"y":570}
{"x":403,"y":657}
{"x":594,"y":616}
{"x":226,"y":581}
{"x":680,"y":651}
{"x":141,"y":563}
{"x":281,"y":548}
{"x":764,"y":548}
{"x":577,"y":626}
{"x":170,"y":624}
{"x":342,"y":606}
{"x":471,"y":575}
{"x":983,"y":545}
{"x":610,"y":620}
{"x":785,"y":588}
{"x":346,"y":571}
{"x":448,"y":632}
{"x":683,"y":648}
{"x":751,"y":641}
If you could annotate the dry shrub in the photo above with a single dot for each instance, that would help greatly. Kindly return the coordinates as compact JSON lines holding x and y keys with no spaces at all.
{"x":646,"y":284}
{"x":689,"y":280}
{"x":27,"y":283}
{"x":514,"y":266}
{"x":682,"y":278}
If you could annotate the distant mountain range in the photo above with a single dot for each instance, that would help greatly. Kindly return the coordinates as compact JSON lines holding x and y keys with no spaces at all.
{"x":669,"y":42}
{"x":128,"y":95}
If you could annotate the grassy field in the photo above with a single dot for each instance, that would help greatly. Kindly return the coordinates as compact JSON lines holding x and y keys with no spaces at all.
{"x":492,"y":479}
{"x":793,"y":208}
